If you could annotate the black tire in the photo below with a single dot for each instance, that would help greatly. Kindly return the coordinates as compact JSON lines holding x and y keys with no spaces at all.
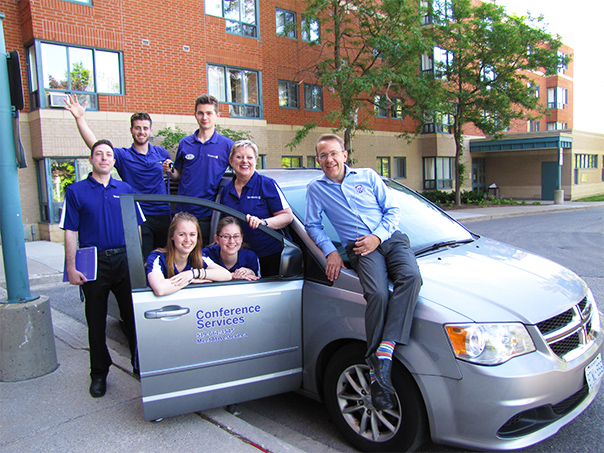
{"x":347,"y":396}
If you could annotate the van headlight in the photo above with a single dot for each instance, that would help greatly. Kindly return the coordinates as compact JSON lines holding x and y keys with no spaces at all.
{"x":489,"y":344}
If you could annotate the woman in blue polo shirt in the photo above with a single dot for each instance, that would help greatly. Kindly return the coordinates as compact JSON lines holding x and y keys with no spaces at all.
{"x":180,"y":262}
{"x":261,"y":199}
{"x":241,"y":263}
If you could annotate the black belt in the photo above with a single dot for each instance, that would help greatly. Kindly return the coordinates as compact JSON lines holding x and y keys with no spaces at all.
{"x":111,"y":252}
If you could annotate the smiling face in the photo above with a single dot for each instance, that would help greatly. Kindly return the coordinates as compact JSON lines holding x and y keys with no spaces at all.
{"x":206,"y":115}
{"x":243,"y":162}
{"x":185,"y":237}
{"x":332,"y":159}
{"x":229,"y":239}
{"x":141,"y":131}
{"x":102,"y":160}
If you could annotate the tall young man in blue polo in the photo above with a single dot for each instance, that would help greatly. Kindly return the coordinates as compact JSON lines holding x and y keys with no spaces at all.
{"x":141,"y":166}
{"x":92,"y":215}
{"x":366,"y":218}
{"x":201,"y":160}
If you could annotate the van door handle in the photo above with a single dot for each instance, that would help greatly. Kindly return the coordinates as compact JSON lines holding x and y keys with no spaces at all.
{"x":169,"y":311}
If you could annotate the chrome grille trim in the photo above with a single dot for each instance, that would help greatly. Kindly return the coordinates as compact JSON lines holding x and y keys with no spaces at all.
{"x":570,"y":333}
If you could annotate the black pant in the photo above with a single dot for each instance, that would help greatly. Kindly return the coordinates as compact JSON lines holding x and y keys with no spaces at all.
{"x":270,"y":264}
{"x":112,"y":275}
{"x":154,"y":233}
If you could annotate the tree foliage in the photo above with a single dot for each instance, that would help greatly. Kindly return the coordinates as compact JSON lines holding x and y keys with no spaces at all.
{"x":367,"y":48}
{"x":488,"y":81}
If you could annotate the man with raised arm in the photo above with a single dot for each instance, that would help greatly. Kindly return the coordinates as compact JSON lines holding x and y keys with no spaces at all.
{"x":141,"y":166}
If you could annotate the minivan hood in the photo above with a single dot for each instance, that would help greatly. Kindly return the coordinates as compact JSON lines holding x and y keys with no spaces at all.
{"x":488,"y":281}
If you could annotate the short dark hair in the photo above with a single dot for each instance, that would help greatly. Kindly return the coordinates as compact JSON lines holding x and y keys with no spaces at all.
{"x":327,"y":137}
{"x":144,"y":116}
{"x":102,"y":141}
{"x":207,"y":99}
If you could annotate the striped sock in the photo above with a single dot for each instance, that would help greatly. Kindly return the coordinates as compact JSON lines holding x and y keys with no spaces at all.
{"x":371,"y":375}
{"x":385,"y":350}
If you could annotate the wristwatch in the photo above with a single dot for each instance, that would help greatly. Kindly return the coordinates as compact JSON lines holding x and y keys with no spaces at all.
{"x":265,"y":222}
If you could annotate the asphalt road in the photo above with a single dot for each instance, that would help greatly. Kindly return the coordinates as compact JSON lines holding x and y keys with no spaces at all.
{"x":572,"y":238}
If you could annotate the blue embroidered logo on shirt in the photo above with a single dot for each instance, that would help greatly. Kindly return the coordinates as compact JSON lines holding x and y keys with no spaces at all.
{"x":254,"y":197}
{"x":190,"y":156}
{"x":359,"y":188}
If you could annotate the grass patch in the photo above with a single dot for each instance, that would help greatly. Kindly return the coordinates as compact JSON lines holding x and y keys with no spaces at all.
{"x":594,"y":198}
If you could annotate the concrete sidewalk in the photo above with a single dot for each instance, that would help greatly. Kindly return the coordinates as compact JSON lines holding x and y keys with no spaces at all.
{"x":55,"y":413}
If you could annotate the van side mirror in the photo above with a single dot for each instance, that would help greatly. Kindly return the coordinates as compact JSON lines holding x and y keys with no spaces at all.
{"x":292,"y":262}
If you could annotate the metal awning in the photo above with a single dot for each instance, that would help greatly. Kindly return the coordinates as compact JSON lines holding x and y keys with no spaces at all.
{"x":519,"y":144}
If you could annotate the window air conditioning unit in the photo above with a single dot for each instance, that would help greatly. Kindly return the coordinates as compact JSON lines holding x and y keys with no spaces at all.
{"x":56,"y":99}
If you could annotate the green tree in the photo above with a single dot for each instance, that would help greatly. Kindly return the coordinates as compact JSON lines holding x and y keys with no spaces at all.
{"x":368,"y":49}
{"x":484,"y":60}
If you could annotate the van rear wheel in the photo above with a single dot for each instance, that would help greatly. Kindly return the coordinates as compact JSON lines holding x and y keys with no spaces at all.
{"x":348,"y":399}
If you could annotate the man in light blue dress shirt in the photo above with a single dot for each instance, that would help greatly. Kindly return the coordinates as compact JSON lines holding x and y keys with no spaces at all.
{"x":366,"y":218}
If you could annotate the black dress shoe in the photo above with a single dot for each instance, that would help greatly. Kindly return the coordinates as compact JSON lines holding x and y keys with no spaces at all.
{"x":382,"y":370}
{"x":98,"y":387}
{"x":380,"y":399}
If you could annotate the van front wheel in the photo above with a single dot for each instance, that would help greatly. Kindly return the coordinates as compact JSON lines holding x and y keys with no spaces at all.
{"x":347,"y":394}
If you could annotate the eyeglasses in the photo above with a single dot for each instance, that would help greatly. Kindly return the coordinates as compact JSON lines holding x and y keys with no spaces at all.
{"x":228,"y":237}
{"x":331,"y":154}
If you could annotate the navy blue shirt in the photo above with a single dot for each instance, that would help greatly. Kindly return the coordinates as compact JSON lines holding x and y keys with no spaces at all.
{"x":245,"y":258}
{"x":202,"y":166}
{"x":260,"y":197}
{"x":93,"y":210}
{"x":157,"y":261}
{"x":144,"y":173}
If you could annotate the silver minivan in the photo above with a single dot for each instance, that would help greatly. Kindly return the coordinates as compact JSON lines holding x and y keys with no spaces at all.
{"x":506,"y":346}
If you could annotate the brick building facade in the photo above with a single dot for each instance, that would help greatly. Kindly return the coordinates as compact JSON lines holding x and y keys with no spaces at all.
{"x":124,"y":56}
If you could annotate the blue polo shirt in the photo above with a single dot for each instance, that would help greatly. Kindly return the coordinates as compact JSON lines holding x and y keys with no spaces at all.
{"x":260,"y":197}
{"x":202,"y":166}
{"x":93,"y":210}
{"x":245,"y":258}
{"x":156,"y":261}
{"x":144,"y":173}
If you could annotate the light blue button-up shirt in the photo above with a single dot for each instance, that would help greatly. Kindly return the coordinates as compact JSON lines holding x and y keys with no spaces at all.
{"x":360,"y":205}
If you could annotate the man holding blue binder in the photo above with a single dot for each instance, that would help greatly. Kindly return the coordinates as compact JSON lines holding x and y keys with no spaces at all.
{"x":92,"y":214}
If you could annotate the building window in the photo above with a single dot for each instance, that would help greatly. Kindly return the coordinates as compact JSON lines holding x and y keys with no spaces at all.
{"x":311,"y":31}
{"x":400,"y":167}
{"x":311,"y":161}
{"x":562,"y":67}
{"x":534,"y":88}
{"x":438,"y":173}
{"x":313,"y":97}
{"x":81,"y":2}
{"x":398,"y":108}
{"x":436,"y":11}
{"x":286,"y":23}
{"x":291,"y":161}
{"x":57,"y":70}
{"x":239,"y":15}
{"x":381,"y":105}
{"x":382,"y":166}
{"x":586,"y":161}
{"x":438,"y":122}
{"x":55,"y":176}
{"x":557,"y":98}
{"x":439,"y":62}
{"x":556,"y":126}
{"x":261,"y":163}
{"x":288,"y":94}
{"x":240,"y":88}
{"x":534,"y":126}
